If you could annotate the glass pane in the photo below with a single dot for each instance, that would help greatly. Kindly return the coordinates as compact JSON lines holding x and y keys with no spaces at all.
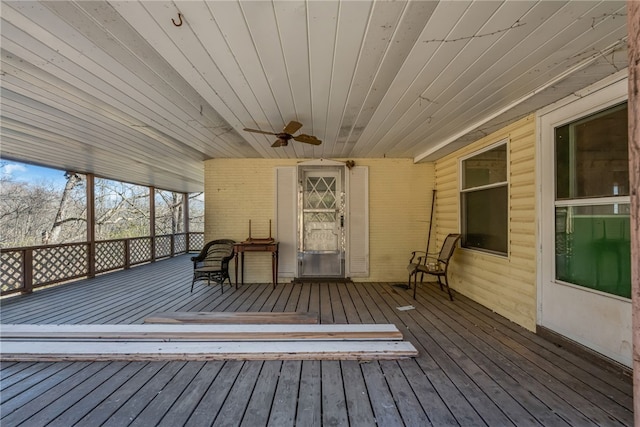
{"x":320,"y":193}
{"x":320,"y":231}
{"x":593,"y":247}
{"x":485,"y":219}
{"x":489,"y":167}
{"x":592,"y":158}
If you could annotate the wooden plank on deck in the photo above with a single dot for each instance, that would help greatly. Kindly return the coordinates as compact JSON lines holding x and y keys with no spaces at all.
{"x":209,"y":350}
{"x":233,"y":317}
{"x":192,"y":332}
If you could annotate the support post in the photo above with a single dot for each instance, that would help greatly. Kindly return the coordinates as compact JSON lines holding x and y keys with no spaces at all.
{"x":185,"y":219}
{"x":152,"y":221}
{"x":91,"y":224}
{"x":633,"y":31}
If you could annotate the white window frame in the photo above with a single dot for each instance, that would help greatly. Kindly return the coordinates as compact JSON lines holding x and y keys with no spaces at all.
{"x":462,"y":190}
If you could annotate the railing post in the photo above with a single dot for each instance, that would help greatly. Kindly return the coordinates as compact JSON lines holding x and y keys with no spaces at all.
{"x":173,"y":245}
{"x":127,"y":254}
{"x":152,"y":221}
{"x":185,"y":218}
{"x":91,"y":226}
{"x":27,"y":271}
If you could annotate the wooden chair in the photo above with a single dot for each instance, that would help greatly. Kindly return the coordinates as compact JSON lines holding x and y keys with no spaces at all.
{"x":213,"y":262}
{"x":433,"y":264}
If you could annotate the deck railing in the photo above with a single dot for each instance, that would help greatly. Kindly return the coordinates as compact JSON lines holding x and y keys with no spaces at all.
{"x":27,"y":268}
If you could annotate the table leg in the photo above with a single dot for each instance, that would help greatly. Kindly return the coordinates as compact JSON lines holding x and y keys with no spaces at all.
{"x":242,"y":267}
{"x":274,"y":268}
{"x":235,"y":258}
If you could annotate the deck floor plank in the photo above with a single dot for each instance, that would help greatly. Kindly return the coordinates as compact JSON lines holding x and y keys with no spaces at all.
{"x":14,"y":372}
{"x":358,"y":404}
{"x":309,"y":411}
{"x":26,"y":405}
{"x":209,"y":406}
{"x":234,"y":407}
{"x":261,"y":401}
{"x":85,"y":398}
{"x":285,"y":401}
{"x":334,"y":403}
{"x":27,"y":378}
{"x":120,"y":396}
{"x":536,"y":413}
{"x":529,"y":382}
{"x":325,"y":306}
{"x":491,"y":413}
{"x":171,"y":392}
{"x":337,"y":305}
{"x":148,"y":391}
{"x":59,"y":400}
{"x":182,"y":407}
{"x":405,"y":399}
{"x":384,"y":407}
{"x":532,"y":388}
{"x":474,"y":367}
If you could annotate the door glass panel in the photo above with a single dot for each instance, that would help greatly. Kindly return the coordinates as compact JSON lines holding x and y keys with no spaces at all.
{"x":319,"y":216}
{"x":592,"y":156}
{"x":592,"y":239}
{"x":593,"y":247}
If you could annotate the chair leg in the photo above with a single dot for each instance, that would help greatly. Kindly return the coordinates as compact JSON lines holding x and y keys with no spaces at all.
{"x":193,"y":281}
{"x":415,"y":284}
{"x":448,"y":288}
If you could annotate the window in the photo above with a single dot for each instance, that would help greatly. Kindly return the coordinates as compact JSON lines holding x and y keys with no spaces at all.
{"x":484,"y":200}
{"x":592,"y":210}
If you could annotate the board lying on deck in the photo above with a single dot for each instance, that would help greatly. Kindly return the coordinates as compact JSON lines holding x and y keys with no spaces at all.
{"x":200,"y":332}
{"x":227,"y":350}
{"x":246,"y":317}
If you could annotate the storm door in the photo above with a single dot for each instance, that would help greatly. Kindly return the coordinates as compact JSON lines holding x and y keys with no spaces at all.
{"x":321,"y":221}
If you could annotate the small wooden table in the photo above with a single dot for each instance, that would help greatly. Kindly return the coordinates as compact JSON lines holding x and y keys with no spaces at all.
{"x":258,"y":245}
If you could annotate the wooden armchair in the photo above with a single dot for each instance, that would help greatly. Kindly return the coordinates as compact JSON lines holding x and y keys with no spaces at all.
{"x":213,"y":262}
{"x":434,"y":264}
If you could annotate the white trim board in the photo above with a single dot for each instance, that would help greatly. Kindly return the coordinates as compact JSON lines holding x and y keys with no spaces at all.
{"x":192,"y":351}
{"x":200,"y":332}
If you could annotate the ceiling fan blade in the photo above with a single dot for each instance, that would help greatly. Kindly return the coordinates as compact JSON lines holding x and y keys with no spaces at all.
{"x":292,"y":127}
{"x":280,"y":143}
{"x":259,"y":131}
{"x":307,"y":139}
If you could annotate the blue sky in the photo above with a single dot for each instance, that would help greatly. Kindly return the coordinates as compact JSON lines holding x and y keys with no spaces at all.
{"x":32,"y":174}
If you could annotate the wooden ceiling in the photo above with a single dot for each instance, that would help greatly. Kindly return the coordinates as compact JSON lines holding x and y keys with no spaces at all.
{"x":146,"y":91}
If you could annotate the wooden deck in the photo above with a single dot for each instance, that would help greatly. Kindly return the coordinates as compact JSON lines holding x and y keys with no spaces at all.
{"x":475,"y":368}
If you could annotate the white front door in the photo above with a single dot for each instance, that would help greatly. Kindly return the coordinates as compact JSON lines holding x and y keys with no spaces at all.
{"x":321,"y":218}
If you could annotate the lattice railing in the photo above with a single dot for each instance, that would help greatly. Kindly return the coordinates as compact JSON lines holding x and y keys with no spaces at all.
{"x":180,"y":243}
{"x":111,"y":255}
{"x":11,"y":271}
{"x":140,"y":250}
{"x":57,"y":263}
{"x":196,"y":242}
{"x":164,"y":246}
{"x":22,"y":269}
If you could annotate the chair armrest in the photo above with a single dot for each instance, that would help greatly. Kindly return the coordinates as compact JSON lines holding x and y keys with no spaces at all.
{"x":413,"y":256}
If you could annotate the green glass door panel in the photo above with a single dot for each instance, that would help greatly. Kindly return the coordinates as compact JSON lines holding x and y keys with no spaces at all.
{"x":593,"y":247}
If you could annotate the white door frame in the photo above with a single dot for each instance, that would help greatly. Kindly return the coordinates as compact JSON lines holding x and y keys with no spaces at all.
{"x":595,"y":319}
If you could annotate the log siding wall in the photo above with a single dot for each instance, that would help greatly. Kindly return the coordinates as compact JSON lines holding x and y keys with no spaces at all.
{"x":506,"y":285}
